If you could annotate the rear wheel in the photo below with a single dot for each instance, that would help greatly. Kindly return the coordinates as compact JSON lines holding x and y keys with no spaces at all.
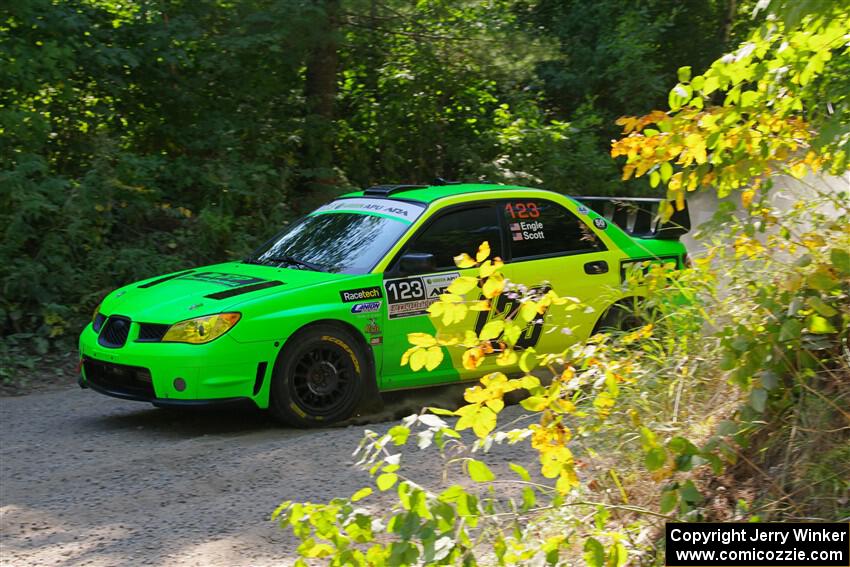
{"x":318,"y":377}
{"x":625,"y":315}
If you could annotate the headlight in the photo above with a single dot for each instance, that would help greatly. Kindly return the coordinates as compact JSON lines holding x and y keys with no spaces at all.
{"x":97,"y":319}
{"x":201,"y":329}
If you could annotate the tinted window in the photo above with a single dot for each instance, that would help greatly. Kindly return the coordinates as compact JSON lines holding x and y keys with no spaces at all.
{"x":349,"y":243}
{"x":459,"y":231}
{"x":540,"y":228}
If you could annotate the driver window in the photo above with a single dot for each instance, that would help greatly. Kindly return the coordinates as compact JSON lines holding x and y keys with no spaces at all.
{"x":459,"y":231}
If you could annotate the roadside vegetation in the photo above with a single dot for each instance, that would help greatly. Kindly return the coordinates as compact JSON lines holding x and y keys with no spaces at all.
{"x":728,"y":402}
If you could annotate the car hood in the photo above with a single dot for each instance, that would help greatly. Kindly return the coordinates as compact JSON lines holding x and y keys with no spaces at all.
{"x":207,"y":290}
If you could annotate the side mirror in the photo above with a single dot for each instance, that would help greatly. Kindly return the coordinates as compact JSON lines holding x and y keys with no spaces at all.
{"x":417,"y":263}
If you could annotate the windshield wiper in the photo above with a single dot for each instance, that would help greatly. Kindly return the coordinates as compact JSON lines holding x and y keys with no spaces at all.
{"x":286,"y":260}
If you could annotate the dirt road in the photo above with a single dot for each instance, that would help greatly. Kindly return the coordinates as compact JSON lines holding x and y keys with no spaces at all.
{"x":90,"y":480}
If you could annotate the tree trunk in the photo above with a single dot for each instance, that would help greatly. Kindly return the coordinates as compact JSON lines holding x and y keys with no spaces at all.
{"x":319,"y":93}
{"x":728,"y":21}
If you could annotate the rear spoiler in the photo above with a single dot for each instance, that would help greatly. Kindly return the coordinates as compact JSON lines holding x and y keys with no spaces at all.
{"x":639,"y":217}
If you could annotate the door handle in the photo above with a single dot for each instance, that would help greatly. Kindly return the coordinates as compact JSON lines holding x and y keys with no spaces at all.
{"x":596,"y":268}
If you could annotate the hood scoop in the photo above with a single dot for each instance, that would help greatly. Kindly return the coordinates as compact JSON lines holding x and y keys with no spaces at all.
{"x":166,"y":278}
{"x":244,"y":289}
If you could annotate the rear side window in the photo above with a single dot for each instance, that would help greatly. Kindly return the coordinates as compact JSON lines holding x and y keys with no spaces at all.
{"x":543,"y":228}
{"x":457,"y":231}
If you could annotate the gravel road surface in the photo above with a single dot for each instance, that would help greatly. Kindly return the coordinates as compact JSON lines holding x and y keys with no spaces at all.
{"x":90,"y":480}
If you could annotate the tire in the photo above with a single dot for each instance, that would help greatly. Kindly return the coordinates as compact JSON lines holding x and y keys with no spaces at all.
{"x":623,"y":316}
{"x":318,"y":377}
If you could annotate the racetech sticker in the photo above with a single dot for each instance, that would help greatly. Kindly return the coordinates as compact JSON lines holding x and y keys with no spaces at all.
{"x":360,"y":294}
{"x":407,"y":297}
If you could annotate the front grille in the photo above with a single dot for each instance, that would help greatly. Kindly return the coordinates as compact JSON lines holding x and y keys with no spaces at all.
{"x":151,"y":332}
{"x":115,"y":331}
{"x":120,"y":379}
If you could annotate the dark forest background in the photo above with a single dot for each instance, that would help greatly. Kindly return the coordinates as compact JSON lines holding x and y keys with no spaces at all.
{"x":141,"y":137}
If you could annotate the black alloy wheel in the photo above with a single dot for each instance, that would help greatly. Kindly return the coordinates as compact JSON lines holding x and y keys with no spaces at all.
{"x":319,"y":377}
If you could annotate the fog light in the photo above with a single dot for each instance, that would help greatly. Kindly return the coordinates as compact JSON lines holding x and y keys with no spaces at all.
{"x":179,"y":384}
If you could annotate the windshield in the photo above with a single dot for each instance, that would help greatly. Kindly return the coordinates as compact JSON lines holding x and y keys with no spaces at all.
{"x":330,"y":240}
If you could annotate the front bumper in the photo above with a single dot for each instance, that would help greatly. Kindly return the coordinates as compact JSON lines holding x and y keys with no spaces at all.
{"x":222,"y":371}
{"x":161,"y":402}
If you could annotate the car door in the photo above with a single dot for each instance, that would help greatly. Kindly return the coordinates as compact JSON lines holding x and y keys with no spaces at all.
{"x":453,"y":230}
{"x":552,"y":247}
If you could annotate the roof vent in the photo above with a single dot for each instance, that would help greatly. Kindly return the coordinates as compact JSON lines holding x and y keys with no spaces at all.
{"x":387,"y":190}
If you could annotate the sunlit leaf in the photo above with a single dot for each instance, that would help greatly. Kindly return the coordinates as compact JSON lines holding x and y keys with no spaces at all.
{"x":361,"y":494}
{"x":418,"y":359}
{"x":386,"y":481}
{"x":492,"y":329}
{"x":434,"y":356}
{"x":464,"y":261}
{"x":421,"y":339}
{"x":493,"y":286}
{"x":479,"y":472}
{"x":462,"y":285}
{"x":483,"y":252}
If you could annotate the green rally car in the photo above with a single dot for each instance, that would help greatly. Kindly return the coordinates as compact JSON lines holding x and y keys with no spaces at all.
{"x":316,"y":320}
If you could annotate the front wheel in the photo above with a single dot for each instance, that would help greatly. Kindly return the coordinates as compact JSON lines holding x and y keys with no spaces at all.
{"x":318,"y":377}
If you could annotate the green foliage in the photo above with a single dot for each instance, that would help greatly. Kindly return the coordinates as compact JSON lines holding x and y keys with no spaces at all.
{"x":777,"y":104}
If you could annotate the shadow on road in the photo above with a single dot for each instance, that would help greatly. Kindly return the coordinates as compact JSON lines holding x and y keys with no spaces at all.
{"x":223,"y":420}
{"x":185,"y":422}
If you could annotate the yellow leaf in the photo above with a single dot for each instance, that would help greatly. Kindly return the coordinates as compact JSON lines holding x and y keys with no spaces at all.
{"x":483,"y":252}
{"x":535,"y":403}
{"x":464,"y":260}
{"x":418,"y":359}
{"x":454,"y":313}
{"x":493,"y":286}
{"x":528,"y":360}
{"x":473,"y":357}
{"x":437,"y":309}
{"x":465,"y":422}
{"x":555,"y":299}
{"x":484,"y":423}
{"x":483,"y":305}
{"x":434,"y":356}
{"x":406,"y":356}
{"x":555,"y":460}
{"x":528,"y":311}
{"x":494,"y":379}
{"x":563,"y":406}
{"x":512,"y":333}
{"x":360,"y":494}
{"x":747,"y":198}
{"x":798,"y":170}
{"x":470,"y":339}
{"x":675,"y":182}
{"x":507,"y":358}
{"x":567,"y":480}
{"x":462,"y":285}
{"x":492,"y":330}
{"x":421,"y":339}
{"x":488,"y":268}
